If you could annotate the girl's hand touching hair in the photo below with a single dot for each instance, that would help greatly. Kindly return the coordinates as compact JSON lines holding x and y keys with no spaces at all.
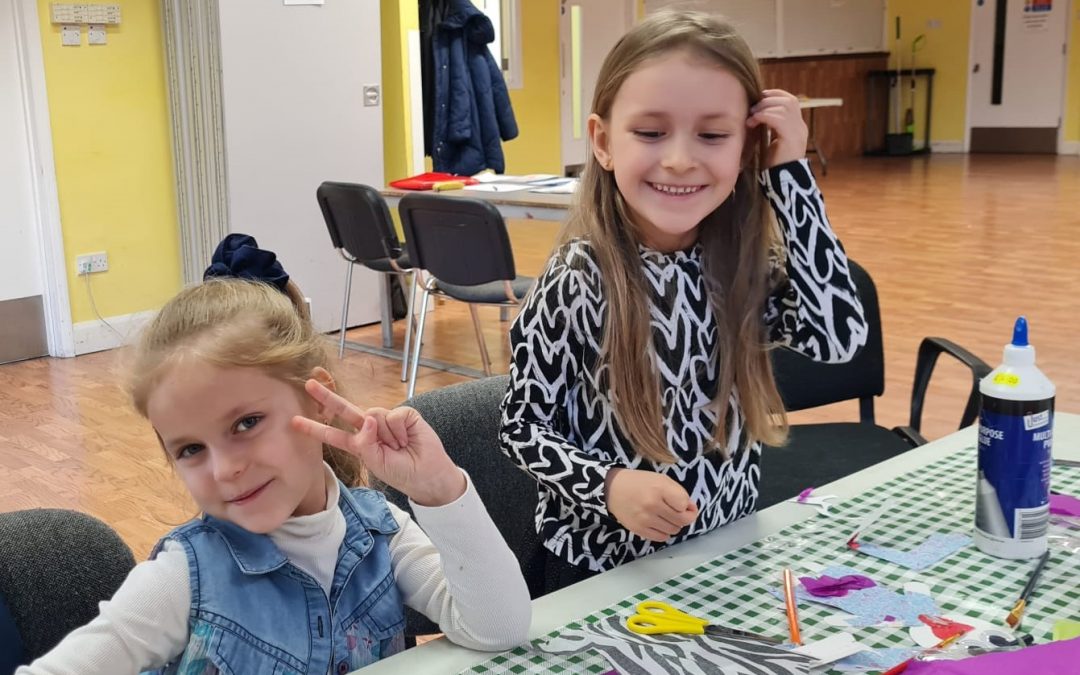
{"x":780,"y":113}
{"x":649,"y":504}
{"x":397,"y":446}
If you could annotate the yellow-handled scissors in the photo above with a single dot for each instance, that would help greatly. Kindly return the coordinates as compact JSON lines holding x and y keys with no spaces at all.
{"x":654,"y":618}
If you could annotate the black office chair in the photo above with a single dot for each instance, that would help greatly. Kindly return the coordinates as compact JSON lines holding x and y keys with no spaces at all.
{"x":362,"y":231}
{"x":820,"y":453}
{"x":466,"y":417}
{"x":464,"y":250}
{"x":56,"y":565}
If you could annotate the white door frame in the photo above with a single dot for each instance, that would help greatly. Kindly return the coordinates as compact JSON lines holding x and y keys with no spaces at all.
{"x":1069,"y":37}
{"x":46,"y":203}
{"x":566,"y":81}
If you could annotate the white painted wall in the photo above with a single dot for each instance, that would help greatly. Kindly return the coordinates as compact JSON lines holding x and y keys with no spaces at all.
{"x":20,"y":269}
{"x":292,"y":80}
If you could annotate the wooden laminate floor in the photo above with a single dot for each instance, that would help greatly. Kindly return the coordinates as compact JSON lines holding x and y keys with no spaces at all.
{"x":958,"y":246}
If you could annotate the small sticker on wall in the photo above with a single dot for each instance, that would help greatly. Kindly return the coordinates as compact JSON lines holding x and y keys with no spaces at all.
{"x":1036,"y":15}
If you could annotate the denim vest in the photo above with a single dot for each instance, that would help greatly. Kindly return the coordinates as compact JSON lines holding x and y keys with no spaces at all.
{"x":252,"y":611}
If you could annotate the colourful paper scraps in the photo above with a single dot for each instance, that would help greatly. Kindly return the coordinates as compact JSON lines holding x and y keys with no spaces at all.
{"x":872,"y":605}
{"x":1064,"y":505}
{"x":936,"y":548}
{"x":831,"y":587}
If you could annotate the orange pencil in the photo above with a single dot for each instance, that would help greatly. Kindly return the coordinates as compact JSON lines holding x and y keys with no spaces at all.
{"x":792,"y":609}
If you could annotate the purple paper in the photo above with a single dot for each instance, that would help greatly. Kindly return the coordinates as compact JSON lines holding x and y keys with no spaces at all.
{"x":1064,"y":505}
{"x":936,"y":548}
{"x":832,"y":587}
{"x":1045,"y":659}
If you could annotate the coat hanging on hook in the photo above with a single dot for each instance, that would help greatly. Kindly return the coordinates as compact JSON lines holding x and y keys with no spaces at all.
{"x":471,"y":113}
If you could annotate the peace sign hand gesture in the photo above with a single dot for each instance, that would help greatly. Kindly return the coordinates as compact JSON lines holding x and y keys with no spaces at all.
{"x":397,"y":446}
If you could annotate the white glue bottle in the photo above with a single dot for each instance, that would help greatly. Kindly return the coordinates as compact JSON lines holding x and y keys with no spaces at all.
{"x":1016,"y":430}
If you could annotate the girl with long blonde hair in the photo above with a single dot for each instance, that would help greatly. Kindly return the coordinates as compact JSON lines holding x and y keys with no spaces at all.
{"x":641,"y":390}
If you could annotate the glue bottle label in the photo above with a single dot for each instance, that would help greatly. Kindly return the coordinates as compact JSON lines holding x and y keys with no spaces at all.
{"x":1012,"y":497}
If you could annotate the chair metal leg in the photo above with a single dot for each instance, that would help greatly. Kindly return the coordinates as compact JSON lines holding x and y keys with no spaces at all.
{"x":480,"y":340}
{"x":409,"y":326}
{"x":345,"y":310}
{"x":386,"y":311}
{"x":419,"y":341}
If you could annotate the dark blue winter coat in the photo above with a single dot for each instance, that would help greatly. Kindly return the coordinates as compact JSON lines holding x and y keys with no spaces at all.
{"x":472,"y":106}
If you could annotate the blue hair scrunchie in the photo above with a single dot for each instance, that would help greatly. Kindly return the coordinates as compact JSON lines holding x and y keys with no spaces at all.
{"x":238,"y":256}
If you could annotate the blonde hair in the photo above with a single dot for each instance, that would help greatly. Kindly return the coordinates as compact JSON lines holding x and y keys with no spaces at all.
{"x":736,"y":240}
{"x":230,"y":322}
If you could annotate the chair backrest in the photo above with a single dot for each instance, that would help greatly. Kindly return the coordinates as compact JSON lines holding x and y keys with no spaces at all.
{"x":457,"y":240}
{"x":805,"y":383}
{"x":55,"y":567}
{"x":466,"y":417}
{"x":358,"y":220}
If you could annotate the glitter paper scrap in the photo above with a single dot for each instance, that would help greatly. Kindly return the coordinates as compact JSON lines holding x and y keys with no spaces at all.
{"x":874,"y":659}
{"x":936,"y":548}
{"x":832,"y":587}
{"x":873,"y":605}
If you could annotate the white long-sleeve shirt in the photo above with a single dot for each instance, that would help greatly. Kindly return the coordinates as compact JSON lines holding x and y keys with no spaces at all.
{"x":457,"y":571}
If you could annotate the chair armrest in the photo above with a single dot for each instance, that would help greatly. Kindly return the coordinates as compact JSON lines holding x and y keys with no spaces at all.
{"x":911,"y":436}
{"x":929,"y":350}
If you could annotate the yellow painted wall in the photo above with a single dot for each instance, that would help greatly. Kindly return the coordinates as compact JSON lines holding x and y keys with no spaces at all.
{"x":536,"y":105}
{"x":108,"y":108}
{"x":946,"y":50}
{"x":398,"y":17}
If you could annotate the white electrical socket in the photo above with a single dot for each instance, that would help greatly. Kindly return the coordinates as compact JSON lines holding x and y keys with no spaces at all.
{"x":71,"y":36}
{"x":89,"y":263}
{"x":95,"y":34}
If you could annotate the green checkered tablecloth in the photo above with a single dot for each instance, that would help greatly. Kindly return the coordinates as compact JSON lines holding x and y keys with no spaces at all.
{"x":733,"y":589}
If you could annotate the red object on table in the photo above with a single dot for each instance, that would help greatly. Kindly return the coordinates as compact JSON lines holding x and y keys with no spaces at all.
{"x":427,"y":181}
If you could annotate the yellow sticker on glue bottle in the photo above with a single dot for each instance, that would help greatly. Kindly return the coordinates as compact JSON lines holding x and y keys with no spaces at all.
{"x":1007,"y":379}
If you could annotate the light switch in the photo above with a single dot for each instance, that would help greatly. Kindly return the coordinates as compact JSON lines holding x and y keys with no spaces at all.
{"x":95,"y":34}
{"x":371,"y":95}
{"x":71,"y":36}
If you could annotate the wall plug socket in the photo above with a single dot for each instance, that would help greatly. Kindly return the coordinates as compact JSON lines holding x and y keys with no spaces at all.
{"x":89,"y":263}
